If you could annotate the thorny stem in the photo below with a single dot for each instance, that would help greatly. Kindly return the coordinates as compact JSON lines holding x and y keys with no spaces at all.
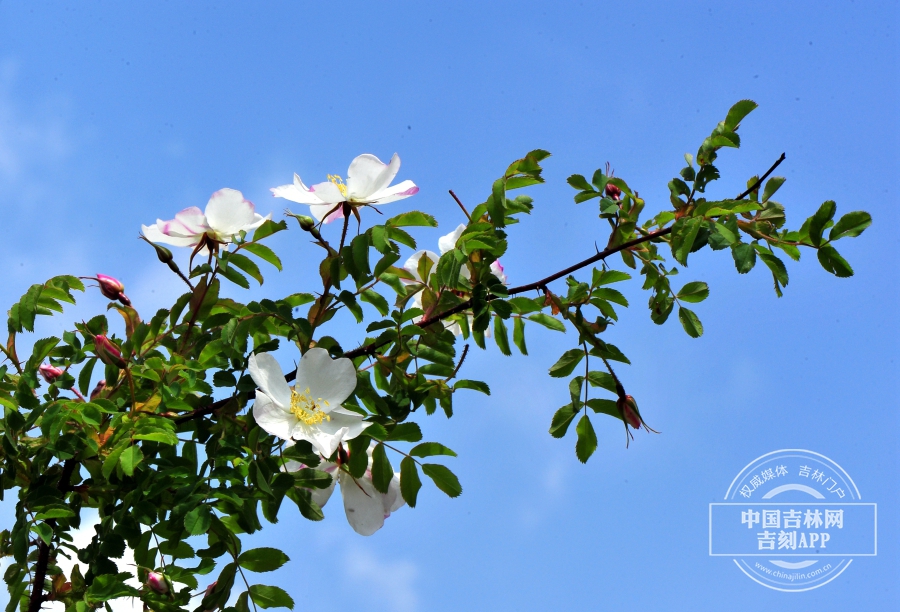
{"x":369,"y":349}
{"x":43,"y":560}
{"x":458,"y":365}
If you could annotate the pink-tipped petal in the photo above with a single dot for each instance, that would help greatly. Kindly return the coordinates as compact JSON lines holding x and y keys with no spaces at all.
{"x":368,"y":175}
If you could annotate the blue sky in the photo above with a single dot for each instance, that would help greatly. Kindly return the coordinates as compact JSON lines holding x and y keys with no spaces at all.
{"x":115,"y":114}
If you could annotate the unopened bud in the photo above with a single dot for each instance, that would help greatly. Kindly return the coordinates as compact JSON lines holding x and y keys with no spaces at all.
{"x":158,"y":582}
{"x":612,"y":191}
{"x":629,"y":411}
{"x":164,"y":254}
{"x":208,"y":592}
{"x":50,"y":373}
{"x":306,"y":223}
{"x":108,"y":352}
{"x":98,"y":389}
{"x":112,"y":288}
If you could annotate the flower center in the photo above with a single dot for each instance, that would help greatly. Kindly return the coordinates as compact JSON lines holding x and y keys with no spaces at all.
{"x":306,"y":409}
{"x":338,"y":182}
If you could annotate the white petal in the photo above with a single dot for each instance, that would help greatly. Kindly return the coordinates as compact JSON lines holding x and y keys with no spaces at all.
{"x":324,"y":442}
{"x":393,"y":500}
{"x":329,"y":380}
{"x":188,"y":222}
{"x":412,"y":264}
{"x":227,"y":212}
{"x":152,"y":233}
{"x":328,"y":192}
{"x":320,"y":212}
{"x":351,"y":422}
{"x":394,"y":193}
{"x":273,"y":418}
{"x":267,"y":374}
{"x":321,"y":496}
{"x":258,"y":220}
{"x":448,"y":242}
{"x":297,"y":192}
{"x":362,"y":503}
{"x":368,"y":175}
{"x":497,"y":270}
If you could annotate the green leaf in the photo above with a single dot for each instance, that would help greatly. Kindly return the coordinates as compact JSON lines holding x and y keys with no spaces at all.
{"x":405,"y":432}
{"x":772,"y":186}
{"x":566,"y":364}
{"x":474,"y":385}
{"x":303,"y":498}
{"x":501,"y":337}
{"x":587,"y":439}
{"x":198,"y":520}
{"x":268,"y":228}
{"x":430,"y":449}
{"x":819,"y":221}
{"x":376,"y":300}
{"x":235,"y":277}
{"x":412,"y":218}
{"x":832,"y":261}
{"x":382,"y":470}
{"x":690,"y":322}
{"x":744,"y":257}
{"x":264,"y":253}
{"x":129,"y":459}
{"x":776,"y":266}
{"x":270,"y":597}
{"x":409,"y":481}
{"x":850,"y":225}
{"x":519,"y":335}
{"x":561,"y":420}
{"x":737,"y":113}
{"x":579,"y":182}
{"x":694,"y":292}
{"x":443,"y":478}
{"x":262,"y":559}
{"x":547,"y":321}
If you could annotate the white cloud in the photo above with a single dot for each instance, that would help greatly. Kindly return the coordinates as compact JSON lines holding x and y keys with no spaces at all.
{"x":81,"y":537}
{"x":389,"y":582}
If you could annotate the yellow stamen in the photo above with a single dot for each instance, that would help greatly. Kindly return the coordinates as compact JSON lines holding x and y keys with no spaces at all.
{"x":306,"y":409}
{"x":338,"y":182}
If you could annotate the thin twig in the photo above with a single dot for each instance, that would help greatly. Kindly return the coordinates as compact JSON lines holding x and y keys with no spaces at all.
{"x":468,"y":216}
{"x":759,"y":181}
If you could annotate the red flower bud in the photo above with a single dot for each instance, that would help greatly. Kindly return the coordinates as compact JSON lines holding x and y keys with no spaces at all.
{"x":108,"y":352}
{"x":158,"y":582}
{"x":112,"y":288}
{"x":98,"y":389}
{"x":50,"y":373}
{"x":612,"y":191}
{"x":208,"y":592}
{"x":629,"y":411}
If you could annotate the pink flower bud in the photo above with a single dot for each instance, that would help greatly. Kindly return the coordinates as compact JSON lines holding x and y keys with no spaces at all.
{"x":612,"y":191}
{"x":208,"y":592}
{"x":112,"y":288}
{"x":629,"y":411}
{"x":50,"y":373}
{"x":157,"y":582}
{"x":497,"y":270}
{"x":98,"y":389}
{"x":108,"y":352}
